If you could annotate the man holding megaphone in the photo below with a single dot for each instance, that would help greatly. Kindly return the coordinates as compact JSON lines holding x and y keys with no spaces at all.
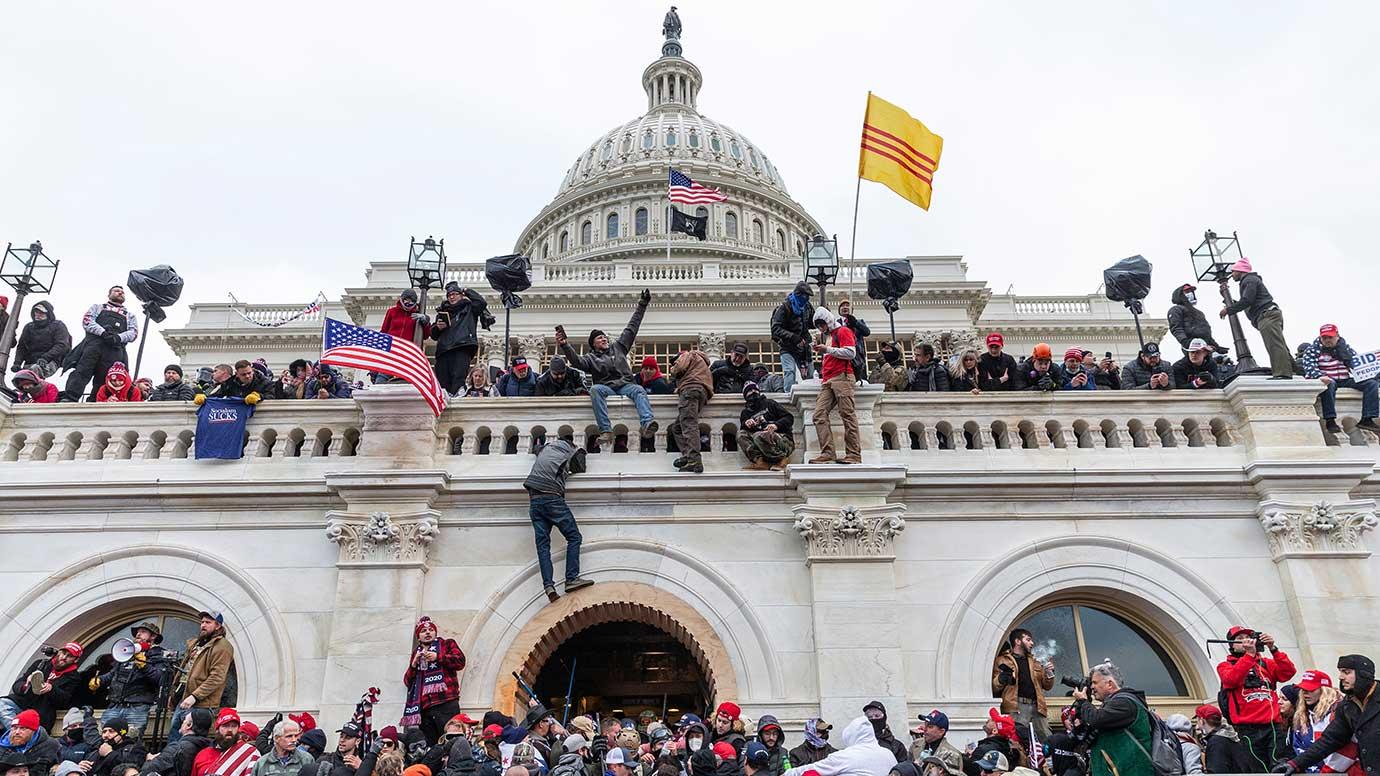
{"x":132,"y":685}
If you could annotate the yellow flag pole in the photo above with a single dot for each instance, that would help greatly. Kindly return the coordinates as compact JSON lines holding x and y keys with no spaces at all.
{"x":853,"y":243}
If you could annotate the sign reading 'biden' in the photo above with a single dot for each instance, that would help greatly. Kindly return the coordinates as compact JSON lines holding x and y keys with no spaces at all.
{"x":1365,"y":366}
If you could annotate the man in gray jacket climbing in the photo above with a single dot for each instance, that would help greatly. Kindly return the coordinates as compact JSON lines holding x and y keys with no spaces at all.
{"x":545,"y":484}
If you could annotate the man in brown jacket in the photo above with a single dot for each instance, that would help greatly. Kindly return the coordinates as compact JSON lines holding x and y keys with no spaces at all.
{"x":694,"y":387}
{"x":207,"y":663}
{"x":1021,"y":681}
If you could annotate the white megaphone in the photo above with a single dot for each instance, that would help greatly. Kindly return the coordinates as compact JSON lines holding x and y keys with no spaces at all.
{"x":124,"y":650}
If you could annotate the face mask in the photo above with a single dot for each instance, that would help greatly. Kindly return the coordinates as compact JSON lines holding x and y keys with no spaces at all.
{"x":754,"y":401}
{"x":1191,"y":297}
{"x":695,"y":744}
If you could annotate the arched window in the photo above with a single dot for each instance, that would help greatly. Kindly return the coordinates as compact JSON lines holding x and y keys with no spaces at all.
{"x":611,"y":232}
{"x":757,"y":235}
{"x":627,"y":144}
{"x":670,"y":137}
{"x":780,"y":244}
{"x":607,"y":153}
{"x":565,"y":241}
{"x":177,"y":626}
{"x":694,"y":139}
{"x":731,"y":225}
{"x":1078,"y":635}
{"x":715,"y":145}
{"x":701,"y":211}
{"x":734,"y":149}
{"x":640,"y":221}
{"x":586,"y":232}
{"x":647,"y":140}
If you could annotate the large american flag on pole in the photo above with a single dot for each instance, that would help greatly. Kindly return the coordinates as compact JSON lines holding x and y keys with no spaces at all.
{"x":688,"y":192}
{"x":374,"y":351}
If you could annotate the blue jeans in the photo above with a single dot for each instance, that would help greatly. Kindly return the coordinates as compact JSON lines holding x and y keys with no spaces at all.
{"x":1370,"y":397}
{"x":599,"y":397}
{"x":8,"y":711}
{"x":791,"y":368}
{"x":136,"y":715}
{"x":176,"y":732}
{"x":549,"y":512}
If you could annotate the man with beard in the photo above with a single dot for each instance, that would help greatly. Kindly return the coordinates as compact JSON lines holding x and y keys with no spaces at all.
{"x":346,"y":758}
{"x":116,"y":751}
{"x":876,"y":714}
{"x":694,"y":388}
{"x":728,"y":727}
{"x":44,"y":343}
{"x":178,"y":757}
{"x":45,"y":686}
{"x":225,"y":738}
{"x":132,"y":686}
{"x":29,"y":738}
{"x":109,"y":327}
{"x":208,"y":660}
{"x":1355,"y":726}
{"x":769,"y":737}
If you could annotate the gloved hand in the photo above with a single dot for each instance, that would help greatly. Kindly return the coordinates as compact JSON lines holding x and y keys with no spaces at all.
{"x":140,"y":660}
{"x":420,"y":318}
{"x":645,"y":298}
{"x":1286,"y":767}
{"x":252,"y":398}
{"x":599,"y":746}
{"x":1005,"y":677}
{"x":273,"y":722}
{"x":376,"y":747}
{"x":16,"y":367}
{"x":94,"y":684}
{"x":199,"y":400}
{"x":111,"y":338}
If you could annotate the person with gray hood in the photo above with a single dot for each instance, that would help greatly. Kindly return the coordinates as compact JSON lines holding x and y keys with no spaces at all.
{"x":771,"y":737}
{"x":545,"y":484}
{"x":44,"y":342}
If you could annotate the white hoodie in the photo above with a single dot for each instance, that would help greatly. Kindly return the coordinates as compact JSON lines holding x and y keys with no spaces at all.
{"x":861,"y":755}
{"x":835,"y":323}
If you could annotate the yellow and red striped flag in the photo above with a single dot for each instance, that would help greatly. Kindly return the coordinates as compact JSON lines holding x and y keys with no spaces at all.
{"x":898,"y":151}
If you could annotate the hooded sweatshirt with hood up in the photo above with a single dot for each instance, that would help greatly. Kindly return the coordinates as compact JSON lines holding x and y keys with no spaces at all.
{"x":884,"y":736}
{"x":778,"y":762}
{"x":1187,"y":322}
{"x":841,"y":350}
{"x":46,"y":340}
{"x":861,"y":755}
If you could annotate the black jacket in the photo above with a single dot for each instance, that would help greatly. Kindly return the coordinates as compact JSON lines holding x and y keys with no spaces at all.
{"x":42,"y":753}
{"x":806,"y":754}
{"x":1185,"y":371}
{"x":568,"y":384}
{"x":49,"y":704}
{"x":610,"y":366}
{"x":1136,"y":375}
{"x":466,"y":316}
{"x":177,"y":759}
{"x":1030,"y":380}
{"x":332,"y":764}
{"x":791,"y":332}
{"x":1187,"y":322}
{"x":128,"y":753}
{"x":771,"y":412}
{"x":991,"y":369}
{"x":1224,"y":752}
{"x":128,"y":683}
{"x":1254,"y":298}
{"x":989,"y":744}
{"x":729,"y":378}
{"x":930,"y":377}
{"x":1350,"y":719}
{"x":178,"y":391}
{"x":42,"y":340}
{"x":234,"y":389}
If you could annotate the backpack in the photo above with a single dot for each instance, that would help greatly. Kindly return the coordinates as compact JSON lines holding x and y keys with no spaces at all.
{"x":1165,"y":755}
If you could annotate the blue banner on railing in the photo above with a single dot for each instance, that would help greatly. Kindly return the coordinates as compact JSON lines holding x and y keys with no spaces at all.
{"x":220,"y":428}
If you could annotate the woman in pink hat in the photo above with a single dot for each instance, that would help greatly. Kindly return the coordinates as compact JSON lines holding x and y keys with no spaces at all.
{"x":1264,"y":315}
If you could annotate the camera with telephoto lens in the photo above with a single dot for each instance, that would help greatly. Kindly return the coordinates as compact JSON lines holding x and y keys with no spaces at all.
{"x":1074,"y":682}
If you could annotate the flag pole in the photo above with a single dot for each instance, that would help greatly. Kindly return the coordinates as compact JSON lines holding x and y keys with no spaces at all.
{"x":668,"y":212}
{"x":853,"y":243}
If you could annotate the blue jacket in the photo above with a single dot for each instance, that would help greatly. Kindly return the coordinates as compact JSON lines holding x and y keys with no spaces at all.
{"x":1066,"y":379}
{"x":337,"y":387}
{"x":511,"y":385}
{"x":1309,"y":360}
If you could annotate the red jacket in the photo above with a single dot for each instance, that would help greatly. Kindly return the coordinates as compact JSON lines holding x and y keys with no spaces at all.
{"x":842,"y":337}
{"x":1258,"y":705}
{"x":398,"y":322}
{"x":48,"y":394}
{"x":451,"y":660}
{"x":128,"y":393}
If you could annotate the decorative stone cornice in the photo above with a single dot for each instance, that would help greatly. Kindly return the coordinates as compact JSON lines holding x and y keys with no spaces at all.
{"x":948,"y":341}
{"x":849,"y":533}
{"x":1322,"y":530}
{"x":383,"y":539}
{"x":713,"y":343}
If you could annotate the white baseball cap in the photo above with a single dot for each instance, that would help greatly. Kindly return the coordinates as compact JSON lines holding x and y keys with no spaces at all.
{"x":616,"y":756}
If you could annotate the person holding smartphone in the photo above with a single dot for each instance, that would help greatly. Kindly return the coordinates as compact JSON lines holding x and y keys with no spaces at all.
{"x":455,"y":330}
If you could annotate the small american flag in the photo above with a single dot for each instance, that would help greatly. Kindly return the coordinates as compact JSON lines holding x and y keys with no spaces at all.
{"x":374,"y":351}
{"x":688,"y":192}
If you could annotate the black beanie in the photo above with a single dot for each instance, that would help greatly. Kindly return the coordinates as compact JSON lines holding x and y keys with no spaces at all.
{"x":594,"y":333}
{"x":1362,"y":665}
{"x":201,"y":722}
{"x":173,"y":367}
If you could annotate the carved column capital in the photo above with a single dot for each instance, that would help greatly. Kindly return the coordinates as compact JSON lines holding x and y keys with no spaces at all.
{"x":491,"y":349}
{"x":850,"y":533}
{"x":713,"y":344}
{"x":946,"y":342}
{"x":533,"y":348}
{"x":1320,"y":530}
{"x":383,"y":539}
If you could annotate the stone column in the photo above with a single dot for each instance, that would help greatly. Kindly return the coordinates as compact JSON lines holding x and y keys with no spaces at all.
{"x":849,"y":530}
{"x":384,"y":535}
{"x":805,"y":394}
{"x":533,"y":348}
{"x":947,"y":342}
{"x":1314,"y":526}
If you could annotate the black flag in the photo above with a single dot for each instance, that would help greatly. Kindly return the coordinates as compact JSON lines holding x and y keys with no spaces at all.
{"x":694,"y":226}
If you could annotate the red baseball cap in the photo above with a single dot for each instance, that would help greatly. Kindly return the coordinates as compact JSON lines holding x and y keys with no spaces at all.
{"x":1328,"y":330}
{"x":492,"y":733}
{"x":725,"y":750}
{"x":1312,"y":680}
{"x":1207,"y":711}
{"x":994,"y":339}
{"x":464,"y":718}
{"x":226,"y":716}
{"x":249,"y":729}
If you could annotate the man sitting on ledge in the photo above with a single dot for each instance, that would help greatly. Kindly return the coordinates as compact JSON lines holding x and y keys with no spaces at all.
{"x":607,"y":364}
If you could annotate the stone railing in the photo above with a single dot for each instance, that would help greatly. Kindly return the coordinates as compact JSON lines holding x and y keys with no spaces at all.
{"x":219,"y":316}
{"x":390,"y":421}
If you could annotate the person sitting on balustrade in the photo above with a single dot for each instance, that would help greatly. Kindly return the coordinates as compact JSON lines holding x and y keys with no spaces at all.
{"x":33,"y":389}
{"x":607,"y":364}
{"x":1328,"y":360}
{"x":1197,"y":370}
{"x":1147,"y":372}
{"x":765,"y":435}
{"x":768,"y":382}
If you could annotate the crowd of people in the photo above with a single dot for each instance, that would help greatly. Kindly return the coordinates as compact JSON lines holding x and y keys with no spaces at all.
{"x":1105,"y":727}
{"x":809,"y":340}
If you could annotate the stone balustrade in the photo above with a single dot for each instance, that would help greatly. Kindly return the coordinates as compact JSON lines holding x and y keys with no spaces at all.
{"x":897,"y":427}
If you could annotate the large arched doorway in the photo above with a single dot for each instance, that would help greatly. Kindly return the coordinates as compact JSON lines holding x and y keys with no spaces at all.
{"x":622,"y":668}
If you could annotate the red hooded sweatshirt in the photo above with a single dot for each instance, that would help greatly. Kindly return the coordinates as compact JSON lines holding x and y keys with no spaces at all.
{"x":1258,"y":705}
{"x":398,"y":322}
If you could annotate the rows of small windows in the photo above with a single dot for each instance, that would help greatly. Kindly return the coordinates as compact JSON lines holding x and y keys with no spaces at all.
{"x":673,"y":136}
{"x":612,"y":231}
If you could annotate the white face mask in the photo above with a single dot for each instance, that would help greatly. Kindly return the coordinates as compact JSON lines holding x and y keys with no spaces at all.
{"x":695,"y":744}
{"x":1191,"y":297}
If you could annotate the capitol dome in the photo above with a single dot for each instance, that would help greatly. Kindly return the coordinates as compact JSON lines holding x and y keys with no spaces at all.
{"x":612,"y":202}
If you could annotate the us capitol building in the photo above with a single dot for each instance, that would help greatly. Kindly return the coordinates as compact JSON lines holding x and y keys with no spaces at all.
{"x":1126,"y":525}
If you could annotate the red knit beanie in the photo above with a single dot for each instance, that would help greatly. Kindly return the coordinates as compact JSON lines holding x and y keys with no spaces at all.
{"x":730,"y":710}
{"x":28,"y":718}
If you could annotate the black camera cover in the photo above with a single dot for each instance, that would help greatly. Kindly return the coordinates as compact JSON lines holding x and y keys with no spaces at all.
{"x":509,"y":273}
{"x":889,"y":280}
{"x":160,"y":285}
{"x":1128,"y":279}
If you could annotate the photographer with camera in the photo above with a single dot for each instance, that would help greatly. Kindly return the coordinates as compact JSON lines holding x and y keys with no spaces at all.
{"x":1123,"y":710}
{"x":1248,"y":697}
{"x":1021,"y":682}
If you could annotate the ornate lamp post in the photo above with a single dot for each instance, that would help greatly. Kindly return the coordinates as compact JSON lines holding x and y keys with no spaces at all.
{"x":1212,"y":261}
{"x":25,"y":270}
{"x":822,"y":262}
{"x":426,"y":269}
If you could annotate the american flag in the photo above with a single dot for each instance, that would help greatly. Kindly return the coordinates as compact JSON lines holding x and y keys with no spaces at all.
{"x":688,"y":192}
{"x":374,"y":351}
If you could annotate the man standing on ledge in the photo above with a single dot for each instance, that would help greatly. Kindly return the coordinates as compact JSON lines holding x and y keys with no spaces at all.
{"x":545,"y":484}
{"x":109,"y":327}
{"x":837,"y":389}
{"x":432,"y":680}
{"x":1264,"y":315}
{"x":607,"y":365}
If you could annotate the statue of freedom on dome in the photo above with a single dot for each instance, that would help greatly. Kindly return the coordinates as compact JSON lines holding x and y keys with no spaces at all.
{"x":670,"y":26}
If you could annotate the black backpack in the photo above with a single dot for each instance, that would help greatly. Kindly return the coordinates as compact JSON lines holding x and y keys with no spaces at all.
{"x":1165,"y":755}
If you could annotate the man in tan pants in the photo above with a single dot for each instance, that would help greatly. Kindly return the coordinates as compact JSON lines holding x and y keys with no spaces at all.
{"x":837,"y":389}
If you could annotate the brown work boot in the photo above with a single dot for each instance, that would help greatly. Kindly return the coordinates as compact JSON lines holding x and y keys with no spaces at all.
{"x":851,"y":459}
{"x":822,"y":458}
{"x":648,"y":431}
{"x":758,"y":465}
{"x":551,"y":594}
{"x":781,"y":465}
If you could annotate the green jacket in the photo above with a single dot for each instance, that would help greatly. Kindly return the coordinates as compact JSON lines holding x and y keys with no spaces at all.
{"x":1121,"y":723}
{"x":268,"y":765}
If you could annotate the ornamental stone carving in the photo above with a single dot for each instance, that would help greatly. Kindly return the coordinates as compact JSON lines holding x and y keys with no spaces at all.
{"x":491,"y":349}
{"x":1322,"y":530}
{"x":382,"y":539}
{"x":947,"y":342}
{"x":713,"y":343}
{"x":850,"y":532}
{"x":533,"y":347}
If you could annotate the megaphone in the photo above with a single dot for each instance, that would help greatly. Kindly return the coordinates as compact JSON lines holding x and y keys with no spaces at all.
{"x":124,"y":650}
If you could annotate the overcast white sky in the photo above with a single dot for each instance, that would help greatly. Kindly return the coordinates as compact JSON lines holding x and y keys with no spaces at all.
{"x":273,"y":149}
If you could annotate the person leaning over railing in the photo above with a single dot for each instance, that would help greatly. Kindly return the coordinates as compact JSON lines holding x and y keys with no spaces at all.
{"x":891,"y":370}
{"x":1147,"y":372}
{"x":928,"y":375}
{"x":1197,"y":370}
{"x":963,"y":373}
{"x":1037,"y":373}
